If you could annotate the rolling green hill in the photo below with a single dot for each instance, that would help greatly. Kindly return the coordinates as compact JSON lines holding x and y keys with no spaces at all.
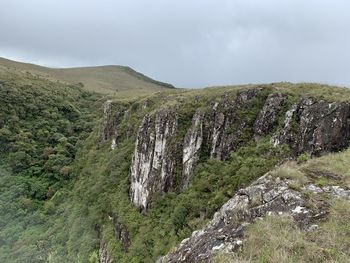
{"x":116,"y":80}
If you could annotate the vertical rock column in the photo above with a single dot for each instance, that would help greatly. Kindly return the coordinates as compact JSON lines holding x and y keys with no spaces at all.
{"x":153,"y":164}
{"x":141,"y":163}
{"x":192,"y":144}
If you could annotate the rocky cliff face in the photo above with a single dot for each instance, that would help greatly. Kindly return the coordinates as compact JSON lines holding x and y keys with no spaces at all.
{"x":171,"y":141}
{"x":155,"y":158}
{"x":268,"y":195}
{"x":226,"y":122}
{"x":110,"y":124}
{"x":315,"y":126}
{"x":191,"y":147}
{"x":220,"y":127}
{"x":268,"y":115}
{"x":153,"y":165}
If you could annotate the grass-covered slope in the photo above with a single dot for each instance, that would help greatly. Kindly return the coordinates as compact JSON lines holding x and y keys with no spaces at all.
{"x":116,"y":80}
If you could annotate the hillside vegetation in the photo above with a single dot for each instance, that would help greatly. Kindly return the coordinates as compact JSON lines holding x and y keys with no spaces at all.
{"x":65,"y":193}
{"x":42,"y":124}
{"x":102,"y":190}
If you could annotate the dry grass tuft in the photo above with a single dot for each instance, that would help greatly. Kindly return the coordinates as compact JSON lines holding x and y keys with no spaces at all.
{"x":277,"y":239}
{"x":291,"y":171}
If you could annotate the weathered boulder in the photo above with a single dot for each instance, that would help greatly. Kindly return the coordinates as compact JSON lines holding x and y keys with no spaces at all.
{"x":315,"y":126}
{"x":153,"y":164}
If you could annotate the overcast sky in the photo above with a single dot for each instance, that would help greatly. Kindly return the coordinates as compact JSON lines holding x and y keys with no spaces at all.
{"x":189,"y":43}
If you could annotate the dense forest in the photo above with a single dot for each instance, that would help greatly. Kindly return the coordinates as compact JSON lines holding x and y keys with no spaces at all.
{"x":42,"y":124}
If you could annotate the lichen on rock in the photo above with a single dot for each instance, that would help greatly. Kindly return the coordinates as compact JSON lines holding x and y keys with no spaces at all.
{"x":153,"y":165}
{"x":191,"y":147}
{"x":315,"y":126}
{"x":266,"y":196}
{"x":268,"y":115}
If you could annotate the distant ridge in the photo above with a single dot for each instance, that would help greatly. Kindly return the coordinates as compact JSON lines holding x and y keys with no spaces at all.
{"x":110,"y":79}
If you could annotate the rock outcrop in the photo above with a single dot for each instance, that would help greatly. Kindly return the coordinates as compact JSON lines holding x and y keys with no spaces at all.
{"x":316,"y":127}
{"x":268,"y":195}
{"x":192,"y":144}
{"x":109,"y":127}
{"x":225,"y":123}
{"x":153,"y":164}
{"x":121,"y":232}
{"x":267,"y":117}
{"x":218,"y":128}
{"x":104,"y":255}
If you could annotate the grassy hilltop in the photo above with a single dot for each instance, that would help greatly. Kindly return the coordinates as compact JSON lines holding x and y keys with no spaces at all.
{"x":115,"y":80}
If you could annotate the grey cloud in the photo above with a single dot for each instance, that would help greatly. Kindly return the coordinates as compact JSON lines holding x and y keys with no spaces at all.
{"x":189,"y":43}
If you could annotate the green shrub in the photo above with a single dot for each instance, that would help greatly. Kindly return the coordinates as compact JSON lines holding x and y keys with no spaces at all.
{"x":302,"y":158}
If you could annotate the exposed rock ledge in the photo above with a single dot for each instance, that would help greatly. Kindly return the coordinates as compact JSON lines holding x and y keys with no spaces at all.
{"x":267,"y":195}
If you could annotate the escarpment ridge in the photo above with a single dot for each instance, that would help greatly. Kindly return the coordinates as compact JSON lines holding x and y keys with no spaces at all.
{"x":218,"y":127}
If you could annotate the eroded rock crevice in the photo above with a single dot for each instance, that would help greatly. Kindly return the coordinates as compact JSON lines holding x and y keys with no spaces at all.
{"x":268,"y":115}
{"x":191,"y":147}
